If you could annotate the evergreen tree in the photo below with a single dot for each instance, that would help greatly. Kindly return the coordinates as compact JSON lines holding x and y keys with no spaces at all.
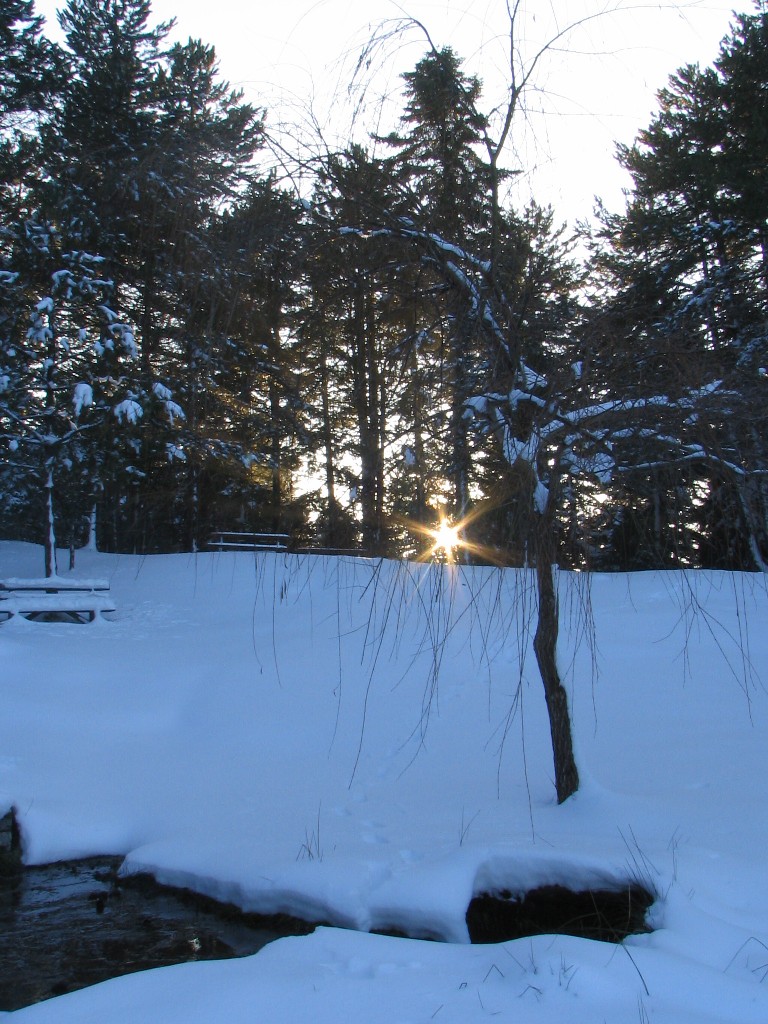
{"x":353,"y":285}
{"x":62,"y":352}
{"x":244,"y":412}
{"x":141,"y":154}
{"x":437,"y":164}
{"x":437,"y":155}
{"x":30,"y":75}
{"x":27,"y":62}
{"x":686,"y":264}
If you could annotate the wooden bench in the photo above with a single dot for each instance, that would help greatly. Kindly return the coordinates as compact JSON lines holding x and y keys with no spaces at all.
{"x":54,"y":599}
{"x":230,"y":540}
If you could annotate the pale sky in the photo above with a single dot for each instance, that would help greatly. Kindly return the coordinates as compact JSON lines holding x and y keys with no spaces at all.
{"x":597,"y":87}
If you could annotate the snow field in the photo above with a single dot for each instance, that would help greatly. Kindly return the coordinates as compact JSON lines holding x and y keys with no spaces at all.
{"x":366,"y":744}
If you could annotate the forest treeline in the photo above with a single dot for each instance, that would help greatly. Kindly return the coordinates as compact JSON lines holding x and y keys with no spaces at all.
{"x":188,"y":345}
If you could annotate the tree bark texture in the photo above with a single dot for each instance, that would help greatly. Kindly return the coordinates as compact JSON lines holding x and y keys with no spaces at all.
{"x":545,"y":648}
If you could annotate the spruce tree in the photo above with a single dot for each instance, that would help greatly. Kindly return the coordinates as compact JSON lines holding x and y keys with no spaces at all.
{"x":437,"y":164}
{"x":65,"y":360}
{"x":143,"y":151}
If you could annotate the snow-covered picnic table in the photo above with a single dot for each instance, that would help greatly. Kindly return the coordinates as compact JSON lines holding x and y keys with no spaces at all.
{"x":54,"y":599}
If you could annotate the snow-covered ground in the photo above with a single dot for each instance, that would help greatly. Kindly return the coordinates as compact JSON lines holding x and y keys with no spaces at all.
{"x":366,"y":744}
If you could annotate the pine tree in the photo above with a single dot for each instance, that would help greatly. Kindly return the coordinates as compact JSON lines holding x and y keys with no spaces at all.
{"x":353,"y":284}
{"x":436,"y":162}
{"x":244,"y":412}
{"x":687,"y":265}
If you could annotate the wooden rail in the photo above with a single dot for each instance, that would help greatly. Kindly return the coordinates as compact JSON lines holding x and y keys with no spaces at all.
{"x":354,"y":552}
{"x":232,"y":540}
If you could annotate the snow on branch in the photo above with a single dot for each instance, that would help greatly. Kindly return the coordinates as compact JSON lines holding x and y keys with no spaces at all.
{"x":82,"y":397}
{"x":554,"y":437}
{"x":582,"y":441}
{"x":172,"y":410}
{"x":128,"y":411}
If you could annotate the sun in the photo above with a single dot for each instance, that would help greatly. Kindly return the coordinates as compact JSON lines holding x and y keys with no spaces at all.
{"x":446,"y":537}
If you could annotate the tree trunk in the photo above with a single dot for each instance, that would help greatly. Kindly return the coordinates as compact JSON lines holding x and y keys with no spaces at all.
{"x":332,"y":528}
{"x":50,"y":530}
{"x":545,"y":649}
{"x":366,"y":400}
{"x":750,"y":496}
{"x":275,"y":459}
{"x":90,"y":544}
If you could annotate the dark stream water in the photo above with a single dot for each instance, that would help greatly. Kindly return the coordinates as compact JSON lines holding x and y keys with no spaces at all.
{"x":68,"y":925}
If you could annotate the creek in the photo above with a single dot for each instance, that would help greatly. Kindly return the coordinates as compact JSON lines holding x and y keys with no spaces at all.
{"x":71,"y":924}
{"x":67,"y":925}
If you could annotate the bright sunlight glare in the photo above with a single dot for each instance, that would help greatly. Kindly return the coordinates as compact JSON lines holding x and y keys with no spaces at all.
{"x":446,"y":537}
